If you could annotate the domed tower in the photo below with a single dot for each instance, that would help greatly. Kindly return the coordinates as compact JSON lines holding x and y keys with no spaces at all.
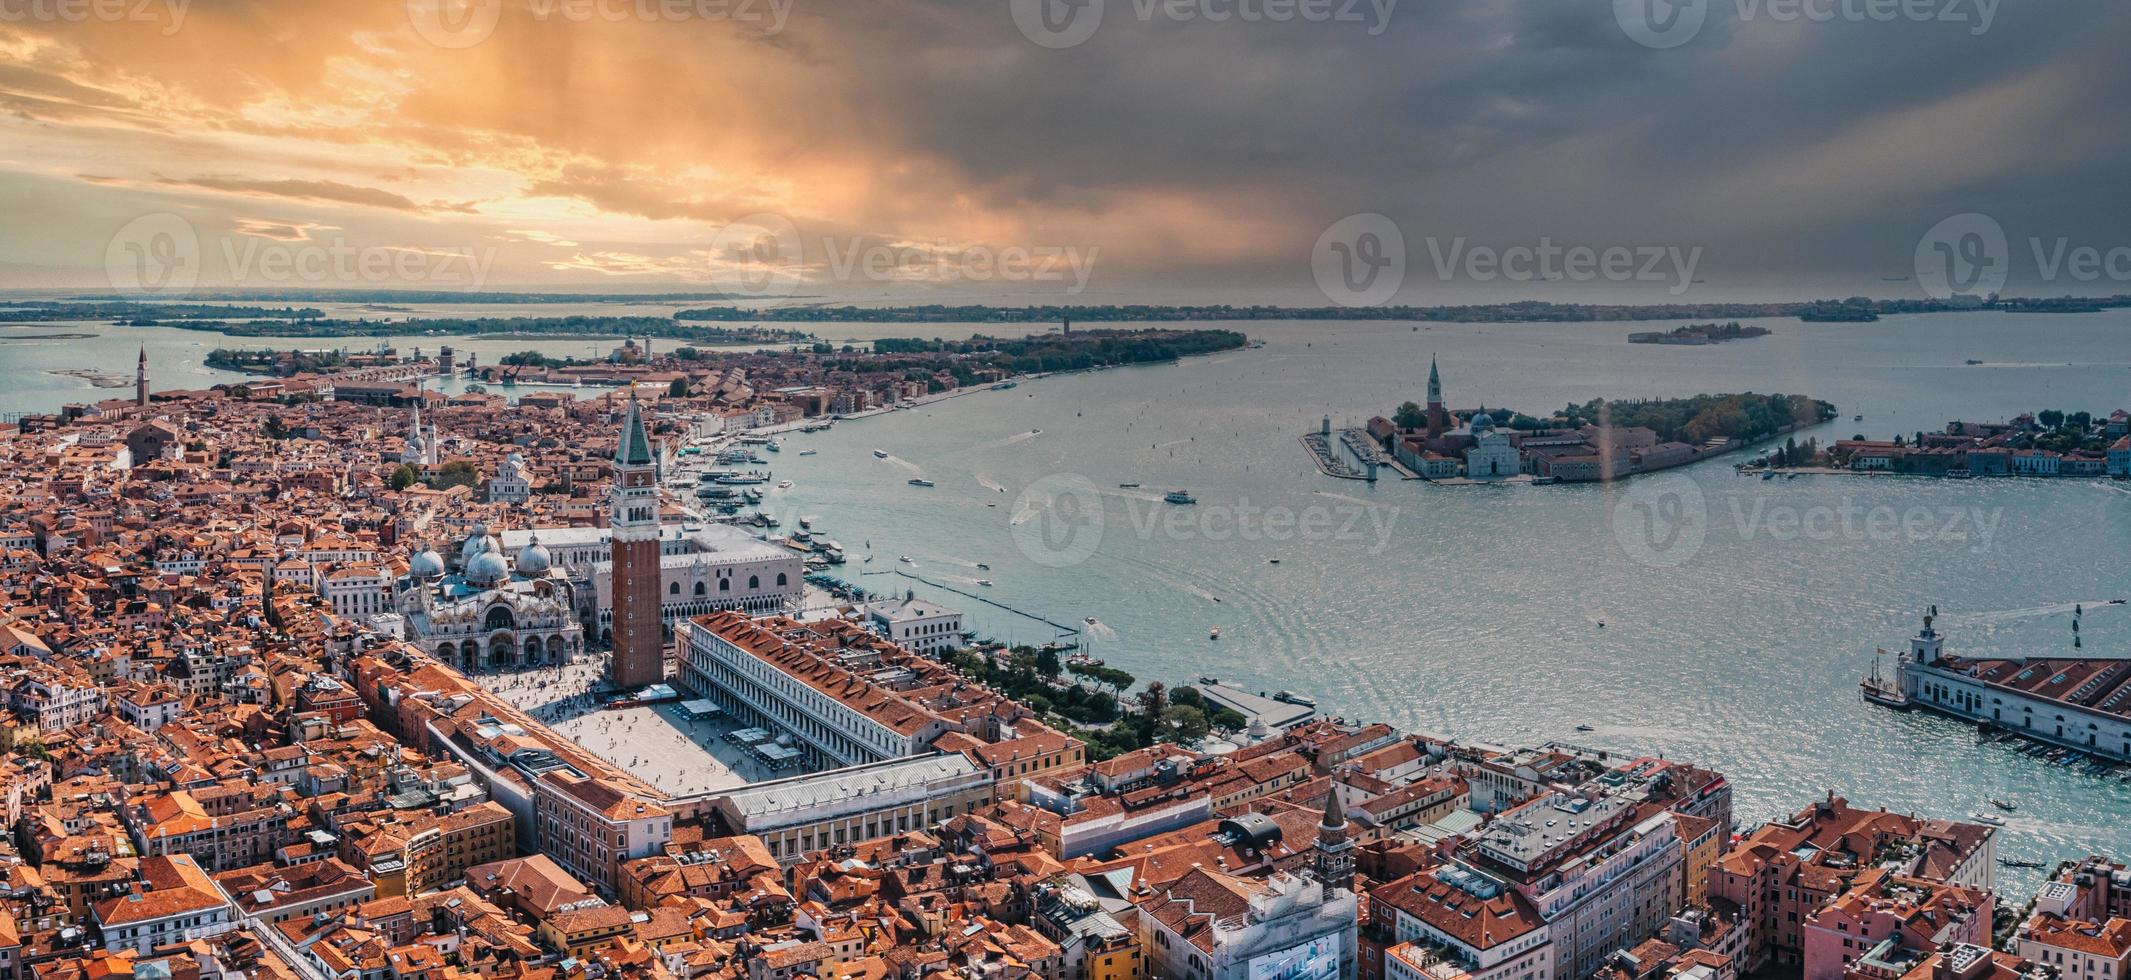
{"x":1334,"y":865}
{"x":533,"y":559}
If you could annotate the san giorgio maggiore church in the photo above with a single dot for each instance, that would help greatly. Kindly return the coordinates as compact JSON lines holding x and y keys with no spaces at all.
{"x":536,"y":596}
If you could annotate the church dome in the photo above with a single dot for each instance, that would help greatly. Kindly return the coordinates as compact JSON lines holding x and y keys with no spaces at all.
{"x":478,"y":542}
{"x":533,"y":559}
{"x":426,"y":563}
{"x":487,"y":568}
{"x":1483,"y":422}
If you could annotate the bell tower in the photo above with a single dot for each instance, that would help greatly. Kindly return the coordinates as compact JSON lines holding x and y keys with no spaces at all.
{"x":1334,"y":862}
{"x":633,"y":518}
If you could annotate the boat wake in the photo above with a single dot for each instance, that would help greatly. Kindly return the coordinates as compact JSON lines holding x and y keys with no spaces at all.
{"x":1099,"y":631}
{"x":990,"y":484}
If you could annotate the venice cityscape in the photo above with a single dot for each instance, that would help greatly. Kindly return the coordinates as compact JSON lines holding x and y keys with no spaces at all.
{"x":772,"y":489}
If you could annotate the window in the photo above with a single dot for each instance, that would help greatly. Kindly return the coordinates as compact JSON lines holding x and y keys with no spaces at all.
{"x":673,"y":589}
{"x":700,"y":589}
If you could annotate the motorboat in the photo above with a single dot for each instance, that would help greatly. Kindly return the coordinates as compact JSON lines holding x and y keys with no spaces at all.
{"x":1291,"y":697}
{"x":1179,"y":497}
{"x":984,"y":582}
{"x":907,"y":560}
{"x":1128,"y":486}
{"x":808,"y":452}
{"x":1987,"y":819}
{"x":923,"y":483}
{"x":982,"y":567}
{"x":2006,"y":805}
{"x":880,"y":454}
{"x":784,"y":484}
{"x":1214,"y":634}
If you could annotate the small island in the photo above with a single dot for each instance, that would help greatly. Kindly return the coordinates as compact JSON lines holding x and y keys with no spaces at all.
{"x":1598,"y":441}
{"x":1699,"y":333}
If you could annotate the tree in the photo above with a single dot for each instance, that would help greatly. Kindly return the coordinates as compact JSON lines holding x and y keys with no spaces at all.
{"x":678,"y":389}
{"x":2050,"y":418}
{"x":1047,"y":662}
{"x":275,"y":428}
{"x":404,"y":476}
{"x":457,"y":473}
{"x":1182,"y":725}
{"x":1410,"y":416}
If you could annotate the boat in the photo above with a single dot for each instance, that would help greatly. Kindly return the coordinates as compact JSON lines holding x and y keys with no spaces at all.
{"x":1986,"y":819}
{"x":806,"y":521}
{"x":880,"y":454}
{"x":907,"y":560}
{"x":1272,"y":561}
{"x":1585,"y":728}
{"x":984,"y":582}
{"x":1008,"y":386}
{"x":774,"y":446}
{"x":1090,"y":620}
{"x":743,"y":479}
{"x":1542,"y":481}
{"x":1214,"y":634}
{"x":923,"y":483}
{"x":784,"y":484}
{"x":982,"y":567}
{"x":2005,"y":805}
{"x":808,"y":452}
{"x":2117,"y":602}
{"x":1291,"y":697}
{"x":1128,"y":486}
{"x":1208,"y":679}
{"x":1971,"y":362}
{"x":1882,"y":690}
{"x":2019,"y":863}
{"x":1179,"y":497}
{"x":1768,"y":474}
{"x":1857,"y":418}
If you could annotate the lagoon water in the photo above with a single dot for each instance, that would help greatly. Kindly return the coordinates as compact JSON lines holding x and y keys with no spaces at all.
{"x":1505,"y":613}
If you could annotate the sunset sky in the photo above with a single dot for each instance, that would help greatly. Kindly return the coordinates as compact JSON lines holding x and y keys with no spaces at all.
{"x":1185,"y":160}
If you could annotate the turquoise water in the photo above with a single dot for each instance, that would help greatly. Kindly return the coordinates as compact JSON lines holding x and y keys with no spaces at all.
{"x":1476,"y":611}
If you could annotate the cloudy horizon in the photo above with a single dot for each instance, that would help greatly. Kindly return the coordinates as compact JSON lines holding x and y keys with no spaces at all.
{"x":1067,"y":151}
